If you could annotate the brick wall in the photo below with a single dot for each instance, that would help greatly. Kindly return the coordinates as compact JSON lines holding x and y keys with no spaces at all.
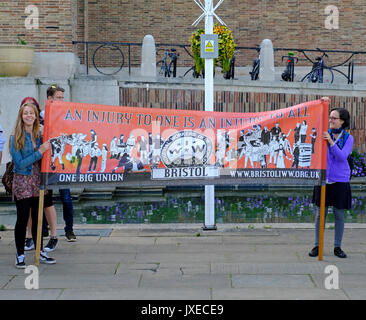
{"x":288,"y":23}
{"x":57,"y":24}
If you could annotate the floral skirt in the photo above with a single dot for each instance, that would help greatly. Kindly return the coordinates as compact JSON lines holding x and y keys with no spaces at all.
{"x":27,"y":186}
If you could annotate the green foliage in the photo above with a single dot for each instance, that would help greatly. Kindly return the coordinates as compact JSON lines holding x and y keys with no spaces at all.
{"x":226,"y":48}
{"x":21,"y":41}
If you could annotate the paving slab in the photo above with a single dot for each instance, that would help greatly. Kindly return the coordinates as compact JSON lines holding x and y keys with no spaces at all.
{"x":138,"y":262}
{"x":138,"y":294}
{"x":298,"y":268}
{"x":186,"y":281}
{"x":24,"y":294}
{"x":272,"y":281}
{"x":277,"y":294}
{"x":79,"y":281}
{"x":345,"y":281}
{"x":355,"y":293}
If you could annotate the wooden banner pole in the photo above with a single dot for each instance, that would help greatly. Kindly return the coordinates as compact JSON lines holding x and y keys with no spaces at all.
{"x":322,"y":224}
{"x":325,"y":101}
{"x":40,"y":218}
{"x":39,"y":225}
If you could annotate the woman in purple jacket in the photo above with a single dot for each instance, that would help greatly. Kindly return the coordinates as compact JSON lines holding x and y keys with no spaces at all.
{"x":338,"y":173}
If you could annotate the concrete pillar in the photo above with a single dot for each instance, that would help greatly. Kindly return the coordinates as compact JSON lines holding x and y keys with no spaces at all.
{"x":267,"y":70}
{"x":148,"y":60}
{"x":59,"y":65}
{"x":96,"y":91}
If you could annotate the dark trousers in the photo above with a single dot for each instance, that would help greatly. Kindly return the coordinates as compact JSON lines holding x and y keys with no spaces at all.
{"x":23,"y":208}
{"x":68,"y":208}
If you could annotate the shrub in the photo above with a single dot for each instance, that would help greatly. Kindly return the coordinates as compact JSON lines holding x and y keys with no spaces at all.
{"x":359,"y":164}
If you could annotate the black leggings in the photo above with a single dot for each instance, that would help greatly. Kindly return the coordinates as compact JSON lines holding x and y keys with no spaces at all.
{"x":23,"y":208}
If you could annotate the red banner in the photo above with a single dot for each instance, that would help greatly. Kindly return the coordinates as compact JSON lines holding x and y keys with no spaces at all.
{"x":140,"y":146}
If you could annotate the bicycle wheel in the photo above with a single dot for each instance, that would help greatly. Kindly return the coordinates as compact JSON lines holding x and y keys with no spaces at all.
{"x":292,"y":72}
{"x":160,"y":67}
{"x":169,"y":71}
{"x":310,"y":77}
{"x":194,"y":73}
{"x":328,"y":76}
{"x":313,"y":76}
{"x":255,"y":73}
{"x":111,"y":56}
{"x":189,"y":70}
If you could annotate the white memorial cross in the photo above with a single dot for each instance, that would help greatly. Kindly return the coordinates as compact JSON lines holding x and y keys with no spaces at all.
{"x":209,"y":13}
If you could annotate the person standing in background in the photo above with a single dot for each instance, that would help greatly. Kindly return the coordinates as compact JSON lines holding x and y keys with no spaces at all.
{"x":56,"y":93}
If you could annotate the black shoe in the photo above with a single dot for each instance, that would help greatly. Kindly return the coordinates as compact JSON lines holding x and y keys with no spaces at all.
{"x":314,"y":252}
{"x":51,"y":245}
{"x":44,"y":258}
{"x":70,"y":236}
{"x":339,"y":253}
{"x":20,"y":261}
{"x":29,"y":244}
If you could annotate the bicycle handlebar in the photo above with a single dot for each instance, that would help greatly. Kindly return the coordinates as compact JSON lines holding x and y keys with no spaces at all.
{"x":166,"y":50}
{"x":292,"y":57}
{"x":324,"y":52}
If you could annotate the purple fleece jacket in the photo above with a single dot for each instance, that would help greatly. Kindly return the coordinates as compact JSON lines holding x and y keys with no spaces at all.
{"x":337,"y":164}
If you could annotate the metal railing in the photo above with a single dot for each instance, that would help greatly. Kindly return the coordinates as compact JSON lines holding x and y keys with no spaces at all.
{"x":334,"y":67}
{"x":129,"y":46}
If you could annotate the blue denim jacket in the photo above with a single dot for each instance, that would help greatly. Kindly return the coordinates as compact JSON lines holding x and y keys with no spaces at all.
{"x":25,"y":157}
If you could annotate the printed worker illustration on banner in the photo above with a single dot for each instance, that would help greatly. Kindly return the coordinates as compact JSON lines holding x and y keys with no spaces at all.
{"x":143,"y":146}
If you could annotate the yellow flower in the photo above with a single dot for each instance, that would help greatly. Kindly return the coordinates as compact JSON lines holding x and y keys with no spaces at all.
{"x":226,"y":47}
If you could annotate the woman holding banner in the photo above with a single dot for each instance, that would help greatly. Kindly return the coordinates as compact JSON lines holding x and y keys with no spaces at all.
{"x":26,"y":149}
{"x":50,"y":215}
{"x":338,"y":190}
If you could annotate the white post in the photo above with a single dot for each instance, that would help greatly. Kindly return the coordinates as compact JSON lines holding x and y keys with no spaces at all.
{"x":209,"y":106}
{"x":209,"y":13}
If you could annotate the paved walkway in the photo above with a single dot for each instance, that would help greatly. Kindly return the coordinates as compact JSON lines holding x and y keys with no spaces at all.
{"x":183,"y":262}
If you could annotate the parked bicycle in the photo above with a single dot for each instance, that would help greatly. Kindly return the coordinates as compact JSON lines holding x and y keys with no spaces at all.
{"x":168,"y":68}
{"x":254,"y":74}
{"x":289,"y":73}
{"x":320,"y":72}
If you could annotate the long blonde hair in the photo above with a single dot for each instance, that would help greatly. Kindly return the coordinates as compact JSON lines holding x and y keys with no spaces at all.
{"x":19,"y":131}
